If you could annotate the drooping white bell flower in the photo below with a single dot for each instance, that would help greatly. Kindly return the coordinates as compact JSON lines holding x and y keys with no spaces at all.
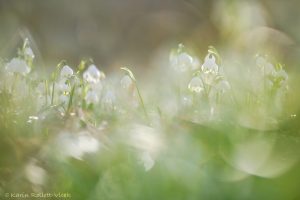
{"x":280,"y":77}
{"x":126,"y":82}
{"x":97,"y":87}
{"x":17,"y":65}
{"x":210,"y":64}
{"x":261,"y":61}
{"x":93,"y":74}
{"x":196,"y":85}
{"x":66,"y":72}
{"x":266,"y":67}
{"x":91,"y":97}
{"x":222,"y":86}
{"x":282,"y":73}
{"x":109,"y":99}
{"x":29,"y":53}
{"x":63,"y":86}
{"x":208,"y":77}
{"x":184,"y":61}
{"x":181,"y":62}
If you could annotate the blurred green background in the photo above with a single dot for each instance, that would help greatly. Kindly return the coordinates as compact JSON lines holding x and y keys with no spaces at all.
{"x":222,"y":160}
{"x":132,"y":32}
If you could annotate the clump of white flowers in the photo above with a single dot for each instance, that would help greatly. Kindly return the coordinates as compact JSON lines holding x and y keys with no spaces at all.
{"x":22,"y":63}
{"x":17,"y":65}
{"x":273,"y":82}
{"x":85,"y":97}
{"x":209,"y":80}
{"x":91,"y":97}
{"x":28,"y":52}
{"x":93,"y":75}
{"x":109,"y":100}
{"x":275,"y":76}
{"x":93,"y":78}
{"x":64,"y":84}
{"x":66,"y":72}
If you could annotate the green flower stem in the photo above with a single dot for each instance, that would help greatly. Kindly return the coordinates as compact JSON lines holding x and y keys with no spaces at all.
{"x":46,"y":92}
{"x":52,"y":95}
{"x":54,"y":77}
{"x":141,"y":100}
{"x":14,"y":82}
{"x":130,"y":74}
{"x":71,"y":99}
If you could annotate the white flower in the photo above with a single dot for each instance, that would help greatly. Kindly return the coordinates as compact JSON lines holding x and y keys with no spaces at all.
{"x":222,"y":86}
{"x":28,"y":52}
{"x":195,"y":85}
{"x":109,"y":99}
{"x":181,"y":62}
{"x":280,"y":77}
{"x":147,"y":141}
{"x":88,"y":144}
{"x":209,"y":64}
{"x":63,"y":86}
{"x":64,"y":98}
{"x":209,"y":77}
{"x":281,"y":74}
{"x":17,"y":65}
{"x":91,"y":97}
{"x":66,"y":72}
{"x":184,"y":61}
{"x":126,"y":82}
{"x":145,"y":138}
{"x":266,"y":67}
{"x":34,"y":173}
{"x":147,"y":160}
{"x":260,"y":61}
{"x":93,"y":74}
{"x":97,"y":87}
{"x":76,"y":146}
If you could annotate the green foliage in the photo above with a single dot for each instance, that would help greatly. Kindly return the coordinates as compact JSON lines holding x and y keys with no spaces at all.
{"x":84,"y":134}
